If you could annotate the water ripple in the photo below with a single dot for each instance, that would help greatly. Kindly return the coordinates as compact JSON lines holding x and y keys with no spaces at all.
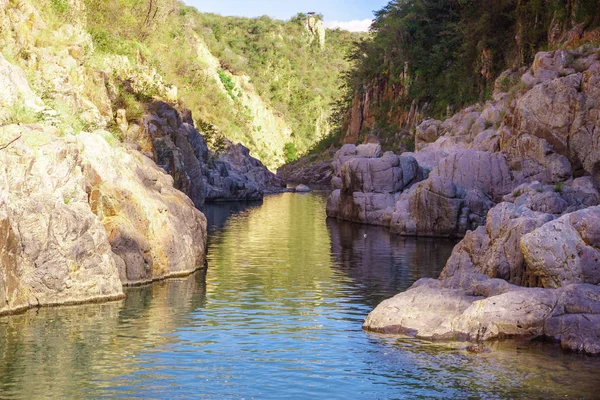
{"x":277,"y":315}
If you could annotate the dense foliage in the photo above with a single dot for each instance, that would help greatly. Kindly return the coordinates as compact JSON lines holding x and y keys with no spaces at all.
{"x":448,"y":52}
{"x":287,"y":68}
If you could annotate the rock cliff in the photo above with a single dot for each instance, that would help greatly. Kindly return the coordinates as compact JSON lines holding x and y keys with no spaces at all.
{"x":517,"y":177}
{"x":81,"y":218}
{"x":101,"y":167}
{"x":542,"y":128}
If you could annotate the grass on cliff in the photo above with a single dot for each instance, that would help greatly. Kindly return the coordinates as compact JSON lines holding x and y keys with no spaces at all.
{"x":293,"y":76}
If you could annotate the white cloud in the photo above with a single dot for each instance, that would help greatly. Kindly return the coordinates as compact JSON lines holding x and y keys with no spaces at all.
{"x":352,"y":26}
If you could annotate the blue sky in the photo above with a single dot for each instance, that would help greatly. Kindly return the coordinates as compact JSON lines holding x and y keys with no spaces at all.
{"x":347,"y":14}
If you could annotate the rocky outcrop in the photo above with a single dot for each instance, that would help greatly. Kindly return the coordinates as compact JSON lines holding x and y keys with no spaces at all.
{"x":566,"y":250}
{"x":154,"y":229}
{"x":315,"y":29}
{"x":15,"y":92}
{"x":313,"y":170}
{"x":523,"y":191}
{"x":543,"y":128}
{"x":562,"y":105}
{"x":54,"y":250}
{"x":480,"y":308}
{"x":369,"y":182}
{"x":528,"y":273}
{"x":169,"y":136}
{"x":369,"y":102}
{"x":79,"y":219}
{"x":455,"y":197}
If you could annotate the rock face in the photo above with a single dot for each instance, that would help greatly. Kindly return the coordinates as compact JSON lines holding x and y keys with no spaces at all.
{"x":154,"y":229}
{"x":16,"y":91}
{"x":314,"y":171}
{"x":531,"y":271}
{"x":53,"y":249}
{"x":566,"y":250}
{"x":79,"y":219}
{"x":169,"y":137}
{"x":544,"y":129}
{"x":524,"y":193}
{"x":369,"y":182}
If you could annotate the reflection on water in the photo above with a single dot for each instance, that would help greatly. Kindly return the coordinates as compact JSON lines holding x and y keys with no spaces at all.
{"x":381,"y":264}
{"x":278,"y":315}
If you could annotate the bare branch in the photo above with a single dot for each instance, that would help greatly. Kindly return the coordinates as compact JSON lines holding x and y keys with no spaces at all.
{"x":11,"y":142}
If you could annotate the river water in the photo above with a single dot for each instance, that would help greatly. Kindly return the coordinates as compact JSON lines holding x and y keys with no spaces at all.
{"x":277,"y":315}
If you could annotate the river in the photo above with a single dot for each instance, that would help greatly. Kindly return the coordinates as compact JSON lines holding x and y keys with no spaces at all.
{"x":277,"y":315}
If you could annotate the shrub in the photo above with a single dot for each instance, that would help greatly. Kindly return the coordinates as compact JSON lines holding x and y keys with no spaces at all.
{"x":62,"y":6}
{"x":19,"y":113}
{"x":559,"y":186}
{"x":228,"y":83}
{"x":290,"y":153}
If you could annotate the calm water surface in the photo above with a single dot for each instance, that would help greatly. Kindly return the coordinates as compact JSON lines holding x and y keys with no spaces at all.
{"x":277,"y":315}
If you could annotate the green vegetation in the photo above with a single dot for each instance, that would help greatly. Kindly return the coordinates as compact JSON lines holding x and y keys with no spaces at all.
{"x":274,"y":61}
{"x":19,"y":113}
{"x":229,"y":85}
{"x":290,"y":152}
{"x":290,"y":73}
{"x":559,"y":186}
{"x":62,"y":6}
{"x":447,"y":53}
{"x":216,"y":141}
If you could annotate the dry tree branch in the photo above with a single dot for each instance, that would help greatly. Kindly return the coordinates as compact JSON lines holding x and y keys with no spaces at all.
{"x":9,"y":143}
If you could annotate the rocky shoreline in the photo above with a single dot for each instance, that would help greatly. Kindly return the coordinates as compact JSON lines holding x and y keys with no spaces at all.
{"x":516,"y":178}
{"x":93,"y":199}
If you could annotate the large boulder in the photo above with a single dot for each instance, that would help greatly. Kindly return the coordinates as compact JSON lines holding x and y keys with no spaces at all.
{"x":53,"y":248}
{"x":455,"y":197}
{"x":370,"y":185}
{"x":348,"y":152}
{"x":480,"y":308}
{"x":567,"y":250}
{"x":562,"y":106}
{"x":493,"y":249}
{"x":154,"y":229}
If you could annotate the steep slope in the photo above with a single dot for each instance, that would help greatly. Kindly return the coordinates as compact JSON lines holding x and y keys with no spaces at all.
{"x":432,"y":58}
{"x":265,"y":83}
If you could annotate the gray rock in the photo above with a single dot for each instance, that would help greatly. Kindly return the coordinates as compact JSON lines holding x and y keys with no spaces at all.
{"x":565,"y":251}
{"x":53,"y":249}
{"x":302,"y":189}
{"x":182,"y":151}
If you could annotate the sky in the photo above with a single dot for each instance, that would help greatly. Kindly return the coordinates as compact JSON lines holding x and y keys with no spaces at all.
{"x":352,"y":15}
